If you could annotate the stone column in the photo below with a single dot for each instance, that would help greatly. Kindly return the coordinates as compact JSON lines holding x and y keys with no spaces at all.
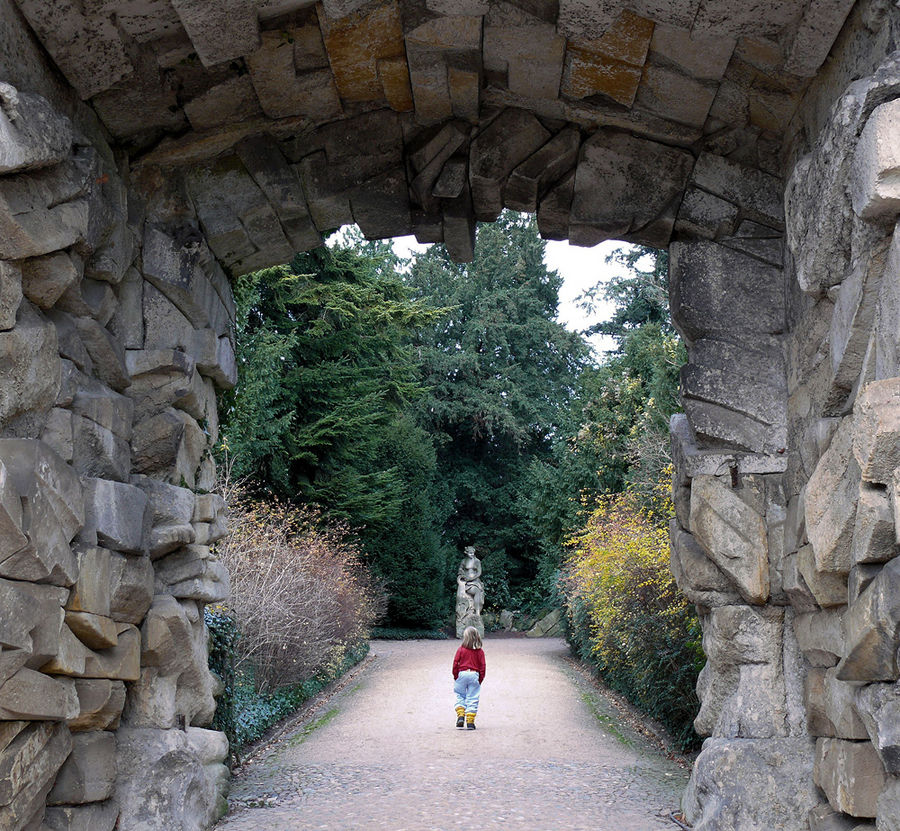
{"x":727,"y":293}
{"x":115,"y":332}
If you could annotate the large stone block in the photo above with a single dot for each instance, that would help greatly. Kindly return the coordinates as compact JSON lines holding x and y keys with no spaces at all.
{"x":171,"y":510}
{"x":831,"y":498}
{"x":742,"y":686}
{"x":46,"y":279}
{"x":53,"y":511}
{"x":829,"y":588}
{"x":228,"y":34}
{"x":888,"y":806}
{"x":874,"y":536}
{"x":29,"y":365}
{"x":739,"y":784}
{"x":27,"y":767}
{"x":874,"y":189}
{"x":194,"y":573}
{"x":98,"y":816}
{"x":162,"y":781}
{"x":820,"y":636}
{"x":876,"y":433}
{"x":879,"y":708}
{"x":115,"y":512}
{"x":733,"y":535}
{"x":89,"y":773}
{"x":41,"y":212}
{"x":131,"y":587}
{"x":36,"y":696}
{"x":872,"y":634}
{"x":531,"y":180}
{"x":851,"y":774}
{"x":714,"y":290}
{"x":100,"y":703}
{"x":626,"y":188}
{"x":33,"y":133}
{"x":496,"y":152}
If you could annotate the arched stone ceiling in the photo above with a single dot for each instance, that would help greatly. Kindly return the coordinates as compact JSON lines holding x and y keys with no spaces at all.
{"x":421,"y":116}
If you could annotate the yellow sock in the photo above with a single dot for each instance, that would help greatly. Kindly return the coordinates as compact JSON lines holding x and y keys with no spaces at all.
{"x":460,"y":712}
{"x":470,"y":718}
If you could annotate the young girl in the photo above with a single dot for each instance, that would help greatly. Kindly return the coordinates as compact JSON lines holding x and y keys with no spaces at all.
{"x":468,"y":673}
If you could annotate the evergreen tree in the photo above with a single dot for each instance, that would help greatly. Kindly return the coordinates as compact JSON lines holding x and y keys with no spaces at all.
{"x":327,"y":379}
{"x":501,"y":373}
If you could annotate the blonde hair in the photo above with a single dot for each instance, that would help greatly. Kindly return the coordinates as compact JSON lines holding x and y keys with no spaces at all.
{"x":471,"y":639}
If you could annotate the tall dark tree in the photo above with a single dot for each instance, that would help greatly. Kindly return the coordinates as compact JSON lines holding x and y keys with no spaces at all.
{"x":501,"y":373}
{"x":327,"y":379}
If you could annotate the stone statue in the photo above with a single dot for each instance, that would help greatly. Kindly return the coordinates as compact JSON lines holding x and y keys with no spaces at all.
{"x":469,"y":593}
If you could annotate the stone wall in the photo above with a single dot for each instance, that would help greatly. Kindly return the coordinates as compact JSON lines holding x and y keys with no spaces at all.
{"x":116,"y":326}
{"x":149,"y":151}
{"x":787,"y":469}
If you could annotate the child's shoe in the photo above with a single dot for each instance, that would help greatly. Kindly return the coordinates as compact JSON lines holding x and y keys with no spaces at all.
{"x":460,"y":717}
{"x":470,"y":721}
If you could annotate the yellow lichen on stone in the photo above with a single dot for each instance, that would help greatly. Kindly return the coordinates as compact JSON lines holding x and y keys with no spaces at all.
{"x":611,"y":64}
{"x":356,"y":43}
{"x":394,"y":76}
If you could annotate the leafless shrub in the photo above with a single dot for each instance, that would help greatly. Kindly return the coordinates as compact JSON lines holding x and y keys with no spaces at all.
{"x":301,"y":594}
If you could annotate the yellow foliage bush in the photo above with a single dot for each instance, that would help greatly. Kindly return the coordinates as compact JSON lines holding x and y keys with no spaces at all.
{"x":625,"y":614}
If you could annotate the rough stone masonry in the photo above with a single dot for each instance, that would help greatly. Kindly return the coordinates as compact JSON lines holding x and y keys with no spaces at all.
{"x":150,"y":150}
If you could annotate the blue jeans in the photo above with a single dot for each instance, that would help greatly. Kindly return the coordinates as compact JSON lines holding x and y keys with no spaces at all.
{"x":468,"y":690}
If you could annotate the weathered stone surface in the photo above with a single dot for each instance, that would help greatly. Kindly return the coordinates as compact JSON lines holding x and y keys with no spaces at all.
{"x":232,"y":32}
{"x":162,"y":782}
{"x":171,"y":510}
{"x":175,"y":679}
{"x":839,"y":699}
{"x":528,"y":50}
{"x":821,"y":636}
{"x":30,"y":626}
{"x":46,"y":279}
{"x":875,"y":192}
{"x":10,"y":294}
{"x":53,"y":512}
{"x":879,"y":708}
{"x":89,"y":773}
{"x":100,"y":704}
{"x":94,"y":631}
{"x":876,"y":434}
{"x":33,"y":133}
{"x":741,"y":688}
{"x":507,"y":142}
{"x":41,"y":212}
{"x":888,"y":806}
{"x":872,"y":630}
{"x":851,"y":775}
{"x":874,"y":538}
{"x":211,"y":748}
{"x":98,"y":816}
{"x":744,"y":783}
{"x":282,"y":88}
{"x":717,"y":291}
{"x":115,"y":512}
{"x":533,"y":178}
{"x":27,"y":768}
{"x":831,"y":499}
{"x":759,"y":194}
{"x":613,"y":198}
{"x":829,"y":588}
{"x":193,"y":572}
{"x":29,"y":365}
{"x":131,"y":587}
{"x":101,"y":431}
{"x":36,"y":696}
{"x":733,"y":535}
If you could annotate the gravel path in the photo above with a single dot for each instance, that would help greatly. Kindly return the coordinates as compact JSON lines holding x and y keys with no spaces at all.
{"x":549,"y":753}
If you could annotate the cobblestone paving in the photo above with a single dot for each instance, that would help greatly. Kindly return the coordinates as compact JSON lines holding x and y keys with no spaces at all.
{"x":547,"y":754}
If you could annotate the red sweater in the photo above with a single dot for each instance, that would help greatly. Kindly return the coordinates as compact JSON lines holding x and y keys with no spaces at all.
{"x":469,"y":659}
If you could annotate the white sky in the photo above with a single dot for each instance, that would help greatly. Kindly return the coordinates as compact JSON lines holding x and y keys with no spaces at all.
{"x":580,"y":268}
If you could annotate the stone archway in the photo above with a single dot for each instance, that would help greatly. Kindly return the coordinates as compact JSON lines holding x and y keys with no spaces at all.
{"x":150,"y":148}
